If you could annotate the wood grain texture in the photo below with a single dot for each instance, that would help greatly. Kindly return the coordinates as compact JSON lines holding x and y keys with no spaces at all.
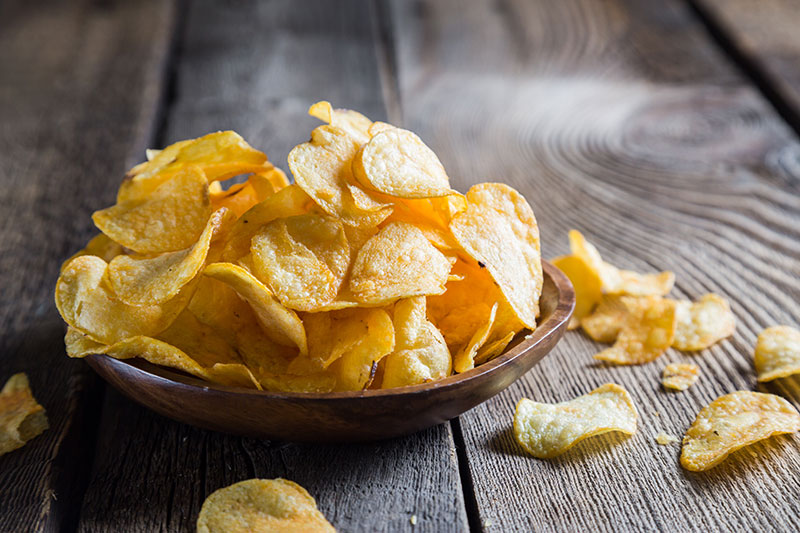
{"x":623,"y":120}
{"x":764,"y":33}
{"x":79,"y":86}
{"x":255,"y":67}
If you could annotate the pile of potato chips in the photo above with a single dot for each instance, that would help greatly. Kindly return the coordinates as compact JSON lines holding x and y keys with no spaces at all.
{"x":368,"y":271}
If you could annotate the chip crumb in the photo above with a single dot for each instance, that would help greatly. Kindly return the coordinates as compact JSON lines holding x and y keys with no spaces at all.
{"x":664,"y":439}
{"x":487,"y":523}
{"x":679,"y":376}
{"x":413,"y":520}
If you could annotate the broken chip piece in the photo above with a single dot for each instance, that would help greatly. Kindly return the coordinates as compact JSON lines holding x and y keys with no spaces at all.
{"x":679,"y":376}
{"x":21,"y":417}
{"x":263,"y":505}
{"x":647,"y":332}
{"x":777,"y":353}
{"x":733,"y":421}
{"x":547,"y":430}
{"x":664,"y":440}
{"x":702,"y":323}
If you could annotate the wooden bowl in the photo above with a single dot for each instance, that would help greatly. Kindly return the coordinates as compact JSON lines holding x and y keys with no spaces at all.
{"x":341,"y":416}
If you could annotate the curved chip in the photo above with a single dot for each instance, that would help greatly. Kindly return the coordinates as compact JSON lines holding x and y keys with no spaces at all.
{"x":490,"y":350}
{"x":777,"y":353}
{"x":86,"y":302}
{"x":498,"y":229}
{"x":220,"y":155}
{"x":547,"y":430}
{"x":322,"y":168}
{"x":464,"y":359}
{"x":303,"y":259}
{"x":733,"y":421}
{"x":616,"y":281}
{"x":21,"y":416}
{"x":263,"y":505}
{"x":586,"y":282}
{"x":241,"y":197}
{"x":353,"y":122}
{"x":679,"y":376}
{"x":647,"y":332}
{"x":702,"y":323}
{"x":101,"y":246}
{"x":282,"y":325}
{"x":605,"y":322}
{"x":154,"y":280}
{"x":396,"y":162}
{"x":398,"y":262}
{"x":170,"y":218}
{"x":420,"y":354}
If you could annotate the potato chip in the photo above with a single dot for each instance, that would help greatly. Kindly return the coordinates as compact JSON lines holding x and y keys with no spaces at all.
{"x":679,"y":376}
{"x":360,"y":338}
{"x":262,"y":505}
{"x":396,"y":162}
{"x":288,"y":202}
{"x":547,"y":430}
{"x":282,"y":325}
{"x":464,"y":359}
{"x":702,"y":323}
{"x":171,"y":218}
{"x":219,"y":155}
{"x":85,"y":300}
{"x":304,"y":259}
{"x":79,"y":344}
{"x":322,"y":168}
{"x":353,"y":122}
{"x":243,"y":196}
{"x":138,"y":280}
{"x":377,"y":127}
{"x":420,"y":354}
{"x":664,"y":440}
{"x":101,"y":246}
{"x":21,"y":416}
{"x":604,"y":324}
{"x":490,"y":350}
{"x":431,"y":215}
{"x":587,"y":284}
{"x":498,"y":230}
{"x":777,"y":353}
{"x":648,"y":331}
{"x":398,"y":262}
{"x":616,"y":281}
{"x":733,"y":421}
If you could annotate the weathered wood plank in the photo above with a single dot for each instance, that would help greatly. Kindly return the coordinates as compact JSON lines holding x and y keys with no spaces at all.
{"x":255,"y":67}
{"x":78,"y":96}
{"x":764,"y":34}
{"x":623,"y":120}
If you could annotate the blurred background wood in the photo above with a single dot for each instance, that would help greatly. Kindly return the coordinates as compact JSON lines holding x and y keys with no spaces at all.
{"x":650,"y":126}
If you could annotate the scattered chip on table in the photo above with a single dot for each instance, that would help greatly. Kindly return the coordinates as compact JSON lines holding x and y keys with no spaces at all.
{"x":547,"y":430}
{"x":679,"y":376}
{"x":777,"y":353}
{"x":734,"y":421}
{"x":702,"y":323}
{"x":647,"y":332}
{"x":665,"y":440}
{"x":21,"y":417}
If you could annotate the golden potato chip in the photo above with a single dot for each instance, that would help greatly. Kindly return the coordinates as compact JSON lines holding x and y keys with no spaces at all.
{"x":489,"y":351}
{"x":101,"y":246}
{"x":288,"y":202}
{"x":679,"y":376}
{"x":21,"y":416}
{"x":138,"y":280}
{"x":702,"y":323}
{"x":604,"y":323}
{"x":498,"y":230}
{"x":616,"y":281}
{"x":464,"y":359}
{"x":243,"y":196}
{"x":396,"y":162}
{"x":353,"y":122}
{"x":587,"y":284}
{"x":322,"y":168}
{"x":733,"y":421}
{"x":362,"y":338}
{"x":648,"y":331}
{"x":431,"y":215}
{"x":398,"y":262}
{"x":377,"y":127}
{"x":79,"y":344}
{"x":219,"y":155}
{"x":282,"y":325}
{"x":263,"y":506}
{"x":171,"y":218}
{"x":420,"y":354}
{"x":304,"y":259}
{"x":777,"y":353}
{"x":547,"y":430}
{"x":85,"y":300}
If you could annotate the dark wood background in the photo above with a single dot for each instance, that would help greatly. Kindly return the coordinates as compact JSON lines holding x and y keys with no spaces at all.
{"x":666,"y":131}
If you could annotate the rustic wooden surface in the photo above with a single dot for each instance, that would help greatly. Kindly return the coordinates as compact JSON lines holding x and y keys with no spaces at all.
{"x":623,"y":120}
{"x":628,"y":120}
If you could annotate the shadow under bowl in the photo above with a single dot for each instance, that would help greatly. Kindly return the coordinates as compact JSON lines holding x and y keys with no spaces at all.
{"x":342,"y":416}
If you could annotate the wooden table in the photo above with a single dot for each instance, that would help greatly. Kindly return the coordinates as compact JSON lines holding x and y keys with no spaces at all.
{"x":665,"y":131}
